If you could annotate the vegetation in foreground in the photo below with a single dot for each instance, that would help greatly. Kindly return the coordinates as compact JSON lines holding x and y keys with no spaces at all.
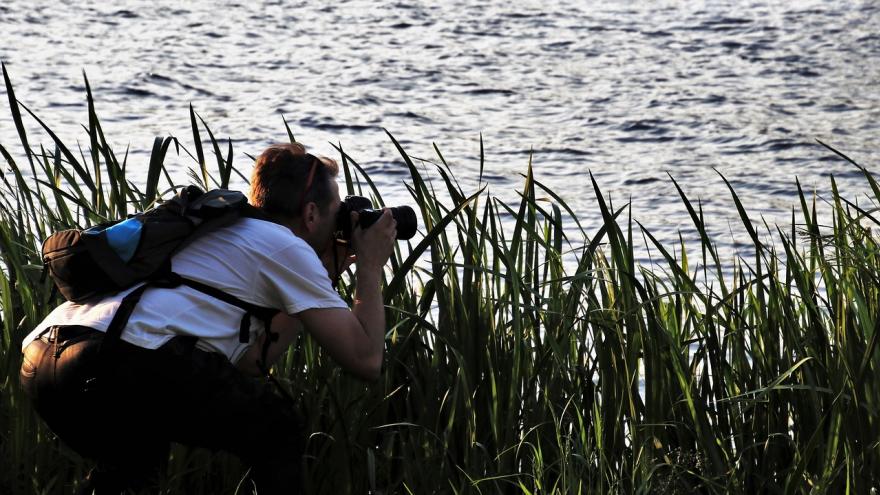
{"x":521,"y":358}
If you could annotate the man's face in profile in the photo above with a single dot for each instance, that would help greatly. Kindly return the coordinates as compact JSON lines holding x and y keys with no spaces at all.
{"x":322,"y":237}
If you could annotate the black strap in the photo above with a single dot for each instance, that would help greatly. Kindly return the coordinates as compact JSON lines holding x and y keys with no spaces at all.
{"x":244,"y":334}
{"x":264,"y":314}
{"x":120,"y":319}
{"x":172,"y":279}
{"x":258,"y":311}
{"x":166,"y":278}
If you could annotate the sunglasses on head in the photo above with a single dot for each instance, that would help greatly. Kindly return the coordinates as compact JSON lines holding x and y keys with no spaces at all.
{"x":311,"y":178}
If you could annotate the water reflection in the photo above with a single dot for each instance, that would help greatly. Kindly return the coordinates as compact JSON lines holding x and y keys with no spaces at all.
{"x":628,"y":91}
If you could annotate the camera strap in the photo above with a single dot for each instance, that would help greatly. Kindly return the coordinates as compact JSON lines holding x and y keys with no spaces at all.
{"x":334,"y":279}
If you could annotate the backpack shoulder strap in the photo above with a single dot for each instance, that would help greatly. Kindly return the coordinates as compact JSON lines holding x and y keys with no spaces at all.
{"x":214,"y":209}
{"x":263,"y":313}
{"x":171,"y":279}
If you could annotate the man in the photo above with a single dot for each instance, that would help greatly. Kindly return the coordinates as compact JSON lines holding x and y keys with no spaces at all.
{"x":180,"y":372}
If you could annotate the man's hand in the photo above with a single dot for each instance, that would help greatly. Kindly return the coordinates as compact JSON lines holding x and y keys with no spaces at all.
{"x":374,"y":245}
{"x":356,"y":338}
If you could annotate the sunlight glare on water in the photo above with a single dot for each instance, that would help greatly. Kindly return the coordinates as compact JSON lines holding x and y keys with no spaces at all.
{"x":629,"y":91}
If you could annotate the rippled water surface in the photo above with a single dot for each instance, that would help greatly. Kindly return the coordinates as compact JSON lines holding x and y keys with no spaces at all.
{"x":629,"y":91}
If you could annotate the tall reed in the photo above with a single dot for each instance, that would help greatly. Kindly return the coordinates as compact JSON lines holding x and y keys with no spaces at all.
{"x":521,"y":358}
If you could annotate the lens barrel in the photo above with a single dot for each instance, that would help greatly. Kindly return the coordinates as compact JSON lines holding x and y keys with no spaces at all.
{"x":403,"y":215}
{"x":407,"y":223}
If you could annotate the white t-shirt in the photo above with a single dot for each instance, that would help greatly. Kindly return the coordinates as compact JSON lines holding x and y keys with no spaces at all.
{"x":254,"y":260}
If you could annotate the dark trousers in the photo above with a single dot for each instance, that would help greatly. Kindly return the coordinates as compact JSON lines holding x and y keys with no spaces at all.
{"x":122,"y":408}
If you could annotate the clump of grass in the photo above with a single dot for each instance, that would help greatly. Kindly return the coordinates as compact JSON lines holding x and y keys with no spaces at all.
{"x":521,"y":358}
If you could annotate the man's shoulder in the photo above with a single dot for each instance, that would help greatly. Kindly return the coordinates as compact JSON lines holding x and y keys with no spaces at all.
{"x":253,"y":229}
{"x":260,"y":225}
{"x":268,"y":237}
{"x":248,"y":244}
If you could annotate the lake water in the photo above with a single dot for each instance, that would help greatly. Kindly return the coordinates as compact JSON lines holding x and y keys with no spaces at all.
{"x":629,"y":91}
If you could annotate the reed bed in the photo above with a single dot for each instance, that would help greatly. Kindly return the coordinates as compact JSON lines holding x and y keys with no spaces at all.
{"x":521,"y":358}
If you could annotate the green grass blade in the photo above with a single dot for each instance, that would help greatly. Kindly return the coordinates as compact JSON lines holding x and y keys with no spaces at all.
{"x":16,"y":114}
{"x":200,"y":154}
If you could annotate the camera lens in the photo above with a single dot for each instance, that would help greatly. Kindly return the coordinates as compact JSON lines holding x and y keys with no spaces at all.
{"x":403,"y":215}
{"x":406,"y":222}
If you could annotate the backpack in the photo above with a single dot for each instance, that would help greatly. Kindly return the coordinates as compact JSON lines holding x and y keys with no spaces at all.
{"x":114,"y":256}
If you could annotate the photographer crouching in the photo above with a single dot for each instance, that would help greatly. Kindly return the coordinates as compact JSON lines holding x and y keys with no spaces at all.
{"x":185,"y":367}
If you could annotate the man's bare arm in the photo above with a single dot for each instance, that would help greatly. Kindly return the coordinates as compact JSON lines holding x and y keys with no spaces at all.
{"x":354,"y":338}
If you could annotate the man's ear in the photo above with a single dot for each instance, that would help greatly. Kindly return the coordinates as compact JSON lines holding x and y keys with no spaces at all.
{"x":310,"y":216}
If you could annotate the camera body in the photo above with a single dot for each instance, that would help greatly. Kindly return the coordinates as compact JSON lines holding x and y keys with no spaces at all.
{"x":403,"y":215}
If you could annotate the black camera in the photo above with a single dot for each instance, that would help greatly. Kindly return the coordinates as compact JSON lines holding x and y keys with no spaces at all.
{"x":403,"y":215}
